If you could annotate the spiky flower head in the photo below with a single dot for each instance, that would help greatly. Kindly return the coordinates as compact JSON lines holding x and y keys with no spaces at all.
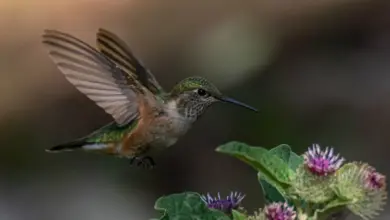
{"x":322,"y":163}
{"x":279,"y":211}
{"x":364,"y":187}
{"x":373,"y":180}
{"x":226,"y":205}
{"x":374,"y":185}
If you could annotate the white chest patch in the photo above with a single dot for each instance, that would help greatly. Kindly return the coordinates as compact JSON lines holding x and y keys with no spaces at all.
{"x":180,"y":123}
{"x":177,"y":127}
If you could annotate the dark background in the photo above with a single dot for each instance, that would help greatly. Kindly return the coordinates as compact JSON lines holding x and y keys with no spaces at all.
{"x":319,"y":72}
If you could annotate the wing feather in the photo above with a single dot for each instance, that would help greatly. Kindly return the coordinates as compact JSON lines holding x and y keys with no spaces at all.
{"x":118,"y":51}
{"x":94,"y":75}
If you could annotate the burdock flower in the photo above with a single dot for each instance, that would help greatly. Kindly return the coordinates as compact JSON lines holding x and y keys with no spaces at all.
{"x":322,"y":163}
{"x":373,"y":180}
{"x":362,"y":184}
{"x":226,"y":205}
{"x":279,"y":211}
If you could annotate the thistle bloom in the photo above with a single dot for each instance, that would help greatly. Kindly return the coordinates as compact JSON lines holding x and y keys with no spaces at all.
{"x":226,"y":205}
{"x":322,"y":163}
{"x":279,"y":211}
{"x":374,"y":184}
{"x":362,"y":184}
{"x":374,"y":180}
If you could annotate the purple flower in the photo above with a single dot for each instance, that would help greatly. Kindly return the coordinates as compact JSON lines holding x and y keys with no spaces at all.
{"x":279,"y":211}
{"x":371,"y":185}
{"x":373,"y":180}
{"x":322,"y":163}
{"x":226,"y":205}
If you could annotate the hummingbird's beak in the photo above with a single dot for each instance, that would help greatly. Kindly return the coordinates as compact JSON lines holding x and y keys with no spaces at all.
{"x":233,"y":101}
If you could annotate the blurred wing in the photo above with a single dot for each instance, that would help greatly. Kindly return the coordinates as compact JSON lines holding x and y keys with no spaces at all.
{"x":117,"y":50}
{"x":94,"y":75}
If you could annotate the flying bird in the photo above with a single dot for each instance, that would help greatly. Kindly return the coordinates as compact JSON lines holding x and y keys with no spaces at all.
{"x":146,"y":118}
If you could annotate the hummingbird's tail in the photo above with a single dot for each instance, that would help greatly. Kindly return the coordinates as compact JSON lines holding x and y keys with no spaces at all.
{"x":83,"y":145}
{"x":69,"y":146}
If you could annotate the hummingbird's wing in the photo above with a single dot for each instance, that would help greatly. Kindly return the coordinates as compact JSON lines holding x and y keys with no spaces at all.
{"x":118,"y":51}
{"x":95,"y":75}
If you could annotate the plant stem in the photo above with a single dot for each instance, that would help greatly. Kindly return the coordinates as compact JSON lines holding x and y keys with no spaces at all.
{"x":300,"y":212}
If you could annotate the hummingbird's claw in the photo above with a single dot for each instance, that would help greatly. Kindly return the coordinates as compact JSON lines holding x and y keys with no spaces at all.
{"x":144,"y":162}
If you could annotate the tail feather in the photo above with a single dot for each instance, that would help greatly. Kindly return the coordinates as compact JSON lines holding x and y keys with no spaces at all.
{"x":70,"y":146}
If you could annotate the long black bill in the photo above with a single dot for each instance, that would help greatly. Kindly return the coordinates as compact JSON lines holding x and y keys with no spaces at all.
{"x":233,"y":101}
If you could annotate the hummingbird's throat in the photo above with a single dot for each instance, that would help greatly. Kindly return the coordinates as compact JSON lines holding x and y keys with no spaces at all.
{"x":185,"y":109}
{"x":177,"y":116}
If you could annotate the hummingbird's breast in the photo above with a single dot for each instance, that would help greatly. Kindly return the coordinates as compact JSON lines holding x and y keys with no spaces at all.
{"x":170,"y":126}
{"x":156,"y":130}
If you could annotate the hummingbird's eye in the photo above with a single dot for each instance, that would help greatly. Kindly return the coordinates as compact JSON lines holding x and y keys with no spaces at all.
{"x":202,"y":92}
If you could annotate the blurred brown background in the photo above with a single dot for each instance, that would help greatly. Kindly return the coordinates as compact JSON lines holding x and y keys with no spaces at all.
{"x":319,"y":71}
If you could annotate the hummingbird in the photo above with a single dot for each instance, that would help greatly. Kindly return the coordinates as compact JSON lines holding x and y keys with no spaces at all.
{"x":146,"y":118}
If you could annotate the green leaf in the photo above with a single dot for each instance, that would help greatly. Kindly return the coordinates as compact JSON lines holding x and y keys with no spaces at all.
{"x":283,"y":151}
{"x":271,"y":193}
{"x":270,"y":166}
{"x":295,"y":161}
{"x":331,"y":208}
{"x":250,"y":155}
{"x":238,"y":215}
{"x":186,"y":206}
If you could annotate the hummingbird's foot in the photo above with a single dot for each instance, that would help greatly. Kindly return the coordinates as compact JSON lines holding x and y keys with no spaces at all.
{"x":144,"y":162}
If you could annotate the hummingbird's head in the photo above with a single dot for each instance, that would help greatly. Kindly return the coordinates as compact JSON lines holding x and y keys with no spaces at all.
{"x":194,"y":94}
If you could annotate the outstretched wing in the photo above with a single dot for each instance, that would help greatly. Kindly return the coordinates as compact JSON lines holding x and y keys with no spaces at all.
{"x":94,"y":75}
{"x":117,"y":50}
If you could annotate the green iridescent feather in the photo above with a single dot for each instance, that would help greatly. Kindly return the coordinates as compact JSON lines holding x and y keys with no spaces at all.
{"x":192,"y":83}
{"x":110,"y":133}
